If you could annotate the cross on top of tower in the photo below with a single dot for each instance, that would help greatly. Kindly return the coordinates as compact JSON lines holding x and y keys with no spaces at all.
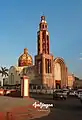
{"x":42,"y":18}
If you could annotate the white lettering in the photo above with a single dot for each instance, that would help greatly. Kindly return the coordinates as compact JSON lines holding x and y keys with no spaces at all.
{"x":42,"y":105}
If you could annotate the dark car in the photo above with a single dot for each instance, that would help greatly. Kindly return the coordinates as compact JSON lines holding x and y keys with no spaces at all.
{"x":59,"y":94}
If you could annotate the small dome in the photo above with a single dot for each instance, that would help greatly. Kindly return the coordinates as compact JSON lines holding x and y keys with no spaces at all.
{"x":25,"y":59}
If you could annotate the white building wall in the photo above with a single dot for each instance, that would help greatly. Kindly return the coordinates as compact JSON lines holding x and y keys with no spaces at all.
{"x":15,"y":74}
{"x":1,"y":79}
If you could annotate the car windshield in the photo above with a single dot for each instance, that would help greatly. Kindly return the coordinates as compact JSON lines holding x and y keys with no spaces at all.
{"x":65,"y":90}
{"x":79,"y":92}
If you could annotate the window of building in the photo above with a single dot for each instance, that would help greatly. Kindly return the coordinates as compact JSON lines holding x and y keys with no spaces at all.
{"x":47,"y":37}
{"x":46,"y":64}
{"x":44,"y":50}
{"x":12,"y":79}
{"x":39,"y":67}
{"x":47,"y":49}
{"x":43,"y":35}
{"x":42,"y":26}
{"x":50,"y":66}
{"x":45,"y":26}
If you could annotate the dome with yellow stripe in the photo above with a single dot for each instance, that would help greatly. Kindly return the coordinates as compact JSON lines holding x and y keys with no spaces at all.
{"x":25,"y":59}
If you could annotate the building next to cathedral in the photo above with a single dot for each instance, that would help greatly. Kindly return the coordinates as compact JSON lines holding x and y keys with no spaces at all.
{"x":47,"y":70}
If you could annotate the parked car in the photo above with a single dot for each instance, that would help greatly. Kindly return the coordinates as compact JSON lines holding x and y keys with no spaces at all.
{"x":81,"y":98}
{"x":79,"y":92}
{"x":59,"y":94}
{"x":72,"y":93}
{"x":66,"y":91}
{"x":2,"y":92}
{"x":9,"y":91}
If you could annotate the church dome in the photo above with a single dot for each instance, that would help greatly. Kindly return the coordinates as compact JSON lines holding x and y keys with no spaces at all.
{"x":25,"y":59}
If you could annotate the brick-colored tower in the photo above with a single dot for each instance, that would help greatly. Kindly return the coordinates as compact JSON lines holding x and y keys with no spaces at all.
{"x":43,"y":59}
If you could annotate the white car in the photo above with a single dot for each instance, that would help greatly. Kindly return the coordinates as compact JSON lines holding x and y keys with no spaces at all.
{"x":9,"y":91}
{"x":81,"y":98}
{"x":79,"y":94}
{"x":73,"y":93}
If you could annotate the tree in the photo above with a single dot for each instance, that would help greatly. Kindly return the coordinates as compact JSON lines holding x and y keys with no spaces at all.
{"x":4,"y":72}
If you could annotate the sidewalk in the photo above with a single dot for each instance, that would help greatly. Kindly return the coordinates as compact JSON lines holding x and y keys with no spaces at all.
{"x":19,"y":109}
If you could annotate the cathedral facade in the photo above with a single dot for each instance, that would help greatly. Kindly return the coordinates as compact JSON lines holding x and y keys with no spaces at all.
{"x":47,"y":70}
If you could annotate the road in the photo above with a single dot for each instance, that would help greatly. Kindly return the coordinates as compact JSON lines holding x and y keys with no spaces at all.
{"x":70,"y":109}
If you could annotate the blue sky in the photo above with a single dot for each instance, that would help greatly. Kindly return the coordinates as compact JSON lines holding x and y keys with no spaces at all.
{"x":19,"y":20}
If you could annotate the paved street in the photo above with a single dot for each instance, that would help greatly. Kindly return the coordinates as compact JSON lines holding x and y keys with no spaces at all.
{"x":70,"y":109}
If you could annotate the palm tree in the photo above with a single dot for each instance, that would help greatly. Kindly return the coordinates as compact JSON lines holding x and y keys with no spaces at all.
{"x":4,"y":72}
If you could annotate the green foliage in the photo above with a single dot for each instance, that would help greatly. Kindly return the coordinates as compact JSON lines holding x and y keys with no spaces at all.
{"x":4,"y":71}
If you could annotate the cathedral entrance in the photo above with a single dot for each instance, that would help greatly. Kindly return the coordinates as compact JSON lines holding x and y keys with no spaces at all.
{"x":60,"y":73}
{"x":58,"y":84}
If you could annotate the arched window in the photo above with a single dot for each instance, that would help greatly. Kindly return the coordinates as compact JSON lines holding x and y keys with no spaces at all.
{"x":42,"y":26}
{"x":39,"y":67}
{"x":47,"y":37}
{"x":43,"y":35}
{"x":45,"y":26}
{"x":12,"y":78}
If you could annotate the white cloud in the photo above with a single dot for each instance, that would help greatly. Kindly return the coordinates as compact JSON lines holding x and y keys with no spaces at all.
{"x":80,"y":58}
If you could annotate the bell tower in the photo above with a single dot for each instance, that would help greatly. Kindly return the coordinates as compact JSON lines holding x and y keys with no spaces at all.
{"x":43,"y":45}
{"x":43,"y":59}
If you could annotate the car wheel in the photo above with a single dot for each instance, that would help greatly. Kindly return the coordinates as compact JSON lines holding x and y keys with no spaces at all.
{"x":81,"y":101}
{"x":64,"y":98}
{"x":53,"y":98}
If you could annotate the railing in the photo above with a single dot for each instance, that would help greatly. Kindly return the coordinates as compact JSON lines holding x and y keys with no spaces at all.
{"x":42,"y":91}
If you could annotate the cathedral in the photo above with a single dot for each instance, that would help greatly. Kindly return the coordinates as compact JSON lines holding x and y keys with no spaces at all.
{"x":46,"y":70}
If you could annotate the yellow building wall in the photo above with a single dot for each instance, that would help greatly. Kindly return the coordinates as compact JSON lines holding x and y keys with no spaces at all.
{"x":70,"y":80}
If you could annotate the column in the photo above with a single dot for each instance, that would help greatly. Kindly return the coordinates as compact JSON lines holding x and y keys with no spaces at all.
{"x":24,"y":87}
